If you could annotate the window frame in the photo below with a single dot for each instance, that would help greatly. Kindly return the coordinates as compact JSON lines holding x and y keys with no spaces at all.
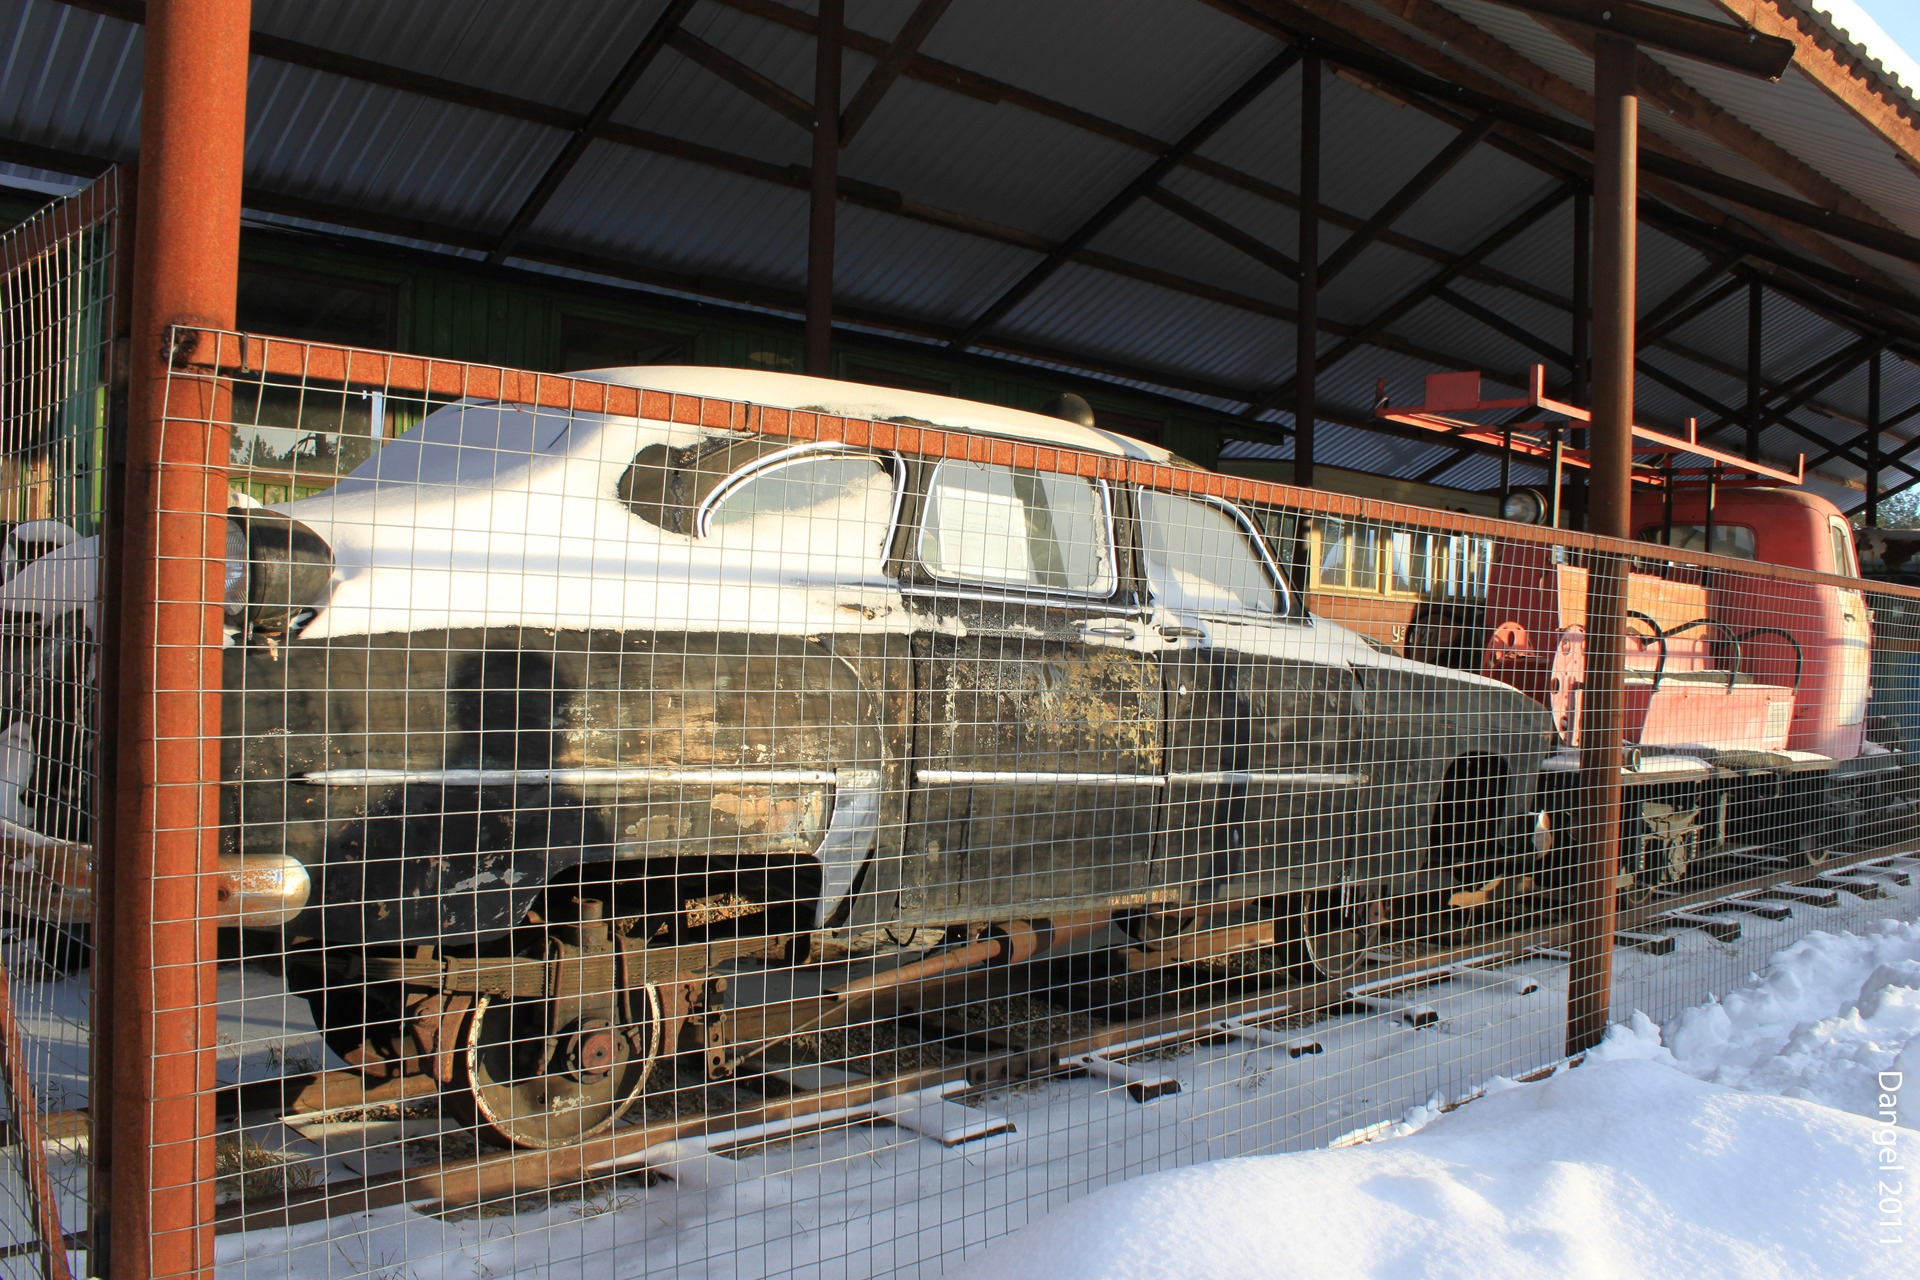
{"x":388,"y":291}
{"x":981,"y":588}
{"x":895,"y":466}
{"x":1247,"y":527}
{"x":1653,"y":536}
{"x":1465,"y":559}
{"x":1840,"y":538}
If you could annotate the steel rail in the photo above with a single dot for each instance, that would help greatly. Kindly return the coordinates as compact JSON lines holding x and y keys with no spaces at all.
{"x":494,"y":1176}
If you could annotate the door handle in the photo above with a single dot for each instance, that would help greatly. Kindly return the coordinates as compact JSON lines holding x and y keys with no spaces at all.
{"x":1109,"y":630}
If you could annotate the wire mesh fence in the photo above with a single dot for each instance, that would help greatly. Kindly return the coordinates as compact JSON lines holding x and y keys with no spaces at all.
{"x":698,"y":822}
{"x":58,"y":297}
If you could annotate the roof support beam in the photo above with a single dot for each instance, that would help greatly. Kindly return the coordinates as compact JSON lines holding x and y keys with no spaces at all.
{"x":1894,"y":458}
{"x":1851,"y":452}
{"x":1367,"y":331}
{"x":1367,"y":44}
{"x":1407,"y":196}
{"x":1756,"y":332}
{"x":795,"y":177}
{"x":1851,"y":280}
{"x":892,"y":64}
{"x":1306,"y":329}
{"x":1698,"y":39}
{"x":1684,"y":172}
{"x":1687,"y":105}
{"x":1541,"y":347}
{"x":1687,"y":302}
{"x":823,"y":203}
{"x":1149,"y":178}
{"x":616,"y":93}
{"x":1822,"y":375}
{"x":761,"y":89}
{"x":1873,"y":437}
{"x":1225,"y":232}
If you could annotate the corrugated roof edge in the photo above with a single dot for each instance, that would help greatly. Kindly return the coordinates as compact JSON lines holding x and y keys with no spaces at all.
{"x":1898,"y":69}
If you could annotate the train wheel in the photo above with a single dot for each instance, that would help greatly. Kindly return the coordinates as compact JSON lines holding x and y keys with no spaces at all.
{"x":1809,"y":850}
{"x":1338,"y":927}
{"x":529,"y":1083}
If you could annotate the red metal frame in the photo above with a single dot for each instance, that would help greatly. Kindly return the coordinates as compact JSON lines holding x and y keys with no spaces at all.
{"x":160,"y":1155}
{"x":1451,"y":394}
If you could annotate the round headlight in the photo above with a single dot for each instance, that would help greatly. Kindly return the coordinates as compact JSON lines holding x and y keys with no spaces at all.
{"x":1526,"y":506}
{"x":236,"y":595}
{"x":277,"y":568}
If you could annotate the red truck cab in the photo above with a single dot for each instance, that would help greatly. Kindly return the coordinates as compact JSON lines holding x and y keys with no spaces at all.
{"x":1828,"y":657}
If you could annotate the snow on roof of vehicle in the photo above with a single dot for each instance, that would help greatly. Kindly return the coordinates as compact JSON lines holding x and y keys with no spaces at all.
{"x":881,"y":404}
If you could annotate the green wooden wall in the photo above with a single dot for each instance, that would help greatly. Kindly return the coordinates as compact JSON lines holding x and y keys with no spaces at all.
{"x":516,"y":319}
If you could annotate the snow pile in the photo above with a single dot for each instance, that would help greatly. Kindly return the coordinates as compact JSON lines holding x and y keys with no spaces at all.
{"x":1646,"y":1160}
{"x":1831,"y":1013}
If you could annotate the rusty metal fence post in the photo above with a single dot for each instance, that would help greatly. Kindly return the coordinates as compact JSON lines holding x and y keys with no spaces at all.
{"x":1616,"y":119}
{"x":186,"y":269}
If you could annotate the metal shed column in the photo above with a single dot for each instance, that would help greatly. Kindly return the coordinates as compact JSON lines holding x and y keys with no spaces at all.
{"x":826,"y":189}
{"x":1874,"y":419}
{"x":1616,"y":121}
{"x":160,"y":1178}
{"x":1307,"y":324}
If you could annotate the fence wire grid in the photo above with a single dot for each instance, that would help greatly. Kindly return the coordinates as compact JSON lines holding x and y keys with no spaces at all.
{"x":688,"y":821}
{"x":57,"y":322}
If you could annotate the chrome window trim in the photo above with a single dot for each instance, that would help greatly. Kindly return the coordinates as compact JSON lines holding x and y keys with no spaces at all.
{"x":1036,"y":599}
{"x":1148,"y":781}
{"x":703,"y":514}
{"x":1014,"y":591}
{"x":1247,"y":526}
{"x":589,"y":776}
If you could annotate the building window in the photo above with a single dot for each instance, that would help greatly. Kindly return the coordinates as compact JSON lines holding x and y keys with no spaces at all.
{"x":289,"y":304}
{"x":598,"y":344}
{"x":296,"y":437}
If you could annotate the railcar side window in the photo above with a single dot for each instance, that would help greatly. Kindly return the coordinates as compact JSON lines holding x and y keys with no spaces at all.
{"x":819,"y":500}
{"x":1734,"y":540}
{"x":1198,"y":556}
{"x":803,"y":484}
{"x":1841,"y":534}
{"x":1352,"y":558}
{"x":1010,"y":527}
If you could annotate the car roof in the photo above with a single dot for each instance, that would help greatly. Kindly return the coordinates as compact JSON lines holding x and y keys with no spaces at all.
{"x":883,"y":404}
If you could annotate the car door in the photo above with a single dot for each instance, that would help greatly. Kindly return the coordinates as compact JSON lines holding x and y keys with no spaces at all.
{"x":1263,"y":775}
{"x":1037,"y":708}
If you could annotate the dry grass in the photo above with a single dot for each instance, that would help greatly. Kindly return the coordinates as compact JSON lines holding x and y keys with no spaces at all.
{"x":246,"y":1170}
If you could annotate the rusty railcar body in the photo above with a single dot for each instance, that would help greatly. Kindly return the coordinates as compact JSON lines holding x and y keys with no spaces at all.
{"x":533,"y":707}
{"x":1746,"y":695}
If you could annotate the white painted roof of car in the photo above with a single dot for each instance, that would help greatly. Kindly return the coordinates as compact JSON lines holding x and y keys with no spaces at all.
{"x":883,"y":404}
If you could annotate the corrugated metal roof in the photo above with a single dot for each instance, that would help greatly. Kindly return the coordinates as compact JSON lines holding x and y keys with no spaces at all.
{"x":1123,"y":77}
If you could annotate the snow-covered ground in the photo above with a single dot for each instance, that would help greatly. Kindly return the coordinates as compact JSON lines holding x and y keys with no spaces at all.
{"x":1741,"y":1141}
{"x":1771,"y":1134}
